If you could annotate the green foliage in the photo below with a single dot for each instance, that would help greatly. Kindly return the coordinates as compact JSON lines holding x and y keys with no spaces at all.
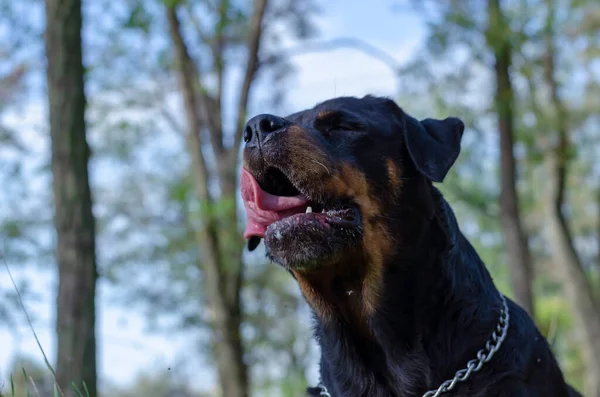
{"x":171,"y":3}
{"x":156,"y":383}
{"x":139,"y":18}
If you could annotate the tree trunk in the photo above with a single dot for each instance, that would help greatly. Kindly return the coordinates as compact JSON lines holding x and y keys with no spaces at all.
{"x":515,"y":239}
{"x":573,"y":278}
{"x":74,"y":221}
{"x":221,"y":263}
{"x":598,"y":227}
{"x":569,"y":265}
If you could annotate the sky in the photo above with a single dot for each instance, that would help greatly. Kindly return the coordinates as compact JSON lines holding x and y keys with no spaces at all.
{"x":125,"y":348}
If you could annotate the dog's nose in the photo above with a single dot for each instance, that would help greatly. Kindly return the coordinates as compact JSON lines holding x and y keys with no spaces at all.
{"x":260,"y":128}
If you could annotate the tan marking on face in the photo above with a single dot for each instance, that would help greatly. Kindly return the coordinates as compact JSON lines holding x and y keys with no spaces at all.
{"x":394,"y":175}
{"x":308,"y":160}
{"x":306,"y":154}
{"x":314,"y":297}
{"x":392,"y":172}
{"x":324,"y":114}
{"x":377,"y":243}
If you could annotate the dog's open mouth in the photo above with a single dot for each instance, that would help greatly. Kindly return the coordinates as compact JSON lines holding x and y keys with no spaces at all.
{"x":275,"y":205}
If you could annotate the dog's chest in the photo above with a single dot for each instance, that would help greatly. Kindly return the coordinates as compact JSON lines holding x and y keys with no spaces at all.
{"x":359,"y":368}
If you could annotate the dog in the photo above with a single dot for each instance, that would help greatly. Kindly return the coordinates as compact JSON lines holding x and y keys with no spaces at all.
{"x":343,"y":196}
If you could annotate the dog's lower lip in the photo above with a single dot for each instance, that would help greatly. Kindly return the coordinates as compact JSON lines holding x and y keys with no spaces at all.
{"x":345,"y":217}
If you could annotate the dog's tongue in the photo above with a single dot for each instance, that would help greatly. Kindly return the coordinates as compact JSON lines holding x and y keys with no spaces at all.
{"x":263,"y":208}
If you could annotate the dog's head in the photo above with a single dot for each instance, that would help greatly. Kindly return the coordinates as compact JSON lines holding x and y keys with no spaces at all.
{"x":338,"y":183}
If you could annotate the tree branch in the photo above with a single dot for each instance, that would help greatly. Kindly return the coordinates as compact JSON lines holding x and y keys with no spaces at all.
{"x":255,"y":34}
{"x":516,"y":240}
{"x":204,"y":104}
{"x":598,"y":227}
{"x":187,"y":81}
{"x":9,"y":82}
{"x":218,"y":47}
{"x":170,"y":120}
{"x":346,"y":42}
{"x":213,"y":112}
{"x":576,"y":285}
{"x":196,"y":23}
{"x":561,"y":149}
{"x":208,"y":236}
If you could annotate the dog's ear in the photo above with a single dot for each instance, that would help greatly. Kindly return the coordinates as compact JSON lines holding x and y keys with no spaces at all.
{"x":433,"y":145}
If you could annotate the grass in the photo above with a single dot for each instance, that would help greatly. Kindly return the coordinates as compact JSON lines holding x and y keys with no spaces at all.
{"x":30,"y":386}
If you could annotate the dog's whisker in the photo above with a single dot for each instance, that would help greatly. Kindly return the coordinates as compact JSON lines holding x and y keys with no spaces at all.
{"x":322,"y":165}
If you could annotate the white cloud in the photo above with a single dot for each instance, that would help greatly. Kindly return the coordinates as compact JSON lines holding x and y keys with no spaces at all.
{"x":344,"y":72}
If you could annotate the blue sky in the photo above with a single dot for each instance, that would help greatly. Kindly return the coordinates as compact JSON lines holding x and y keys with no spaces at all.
{"x":125,"y":349}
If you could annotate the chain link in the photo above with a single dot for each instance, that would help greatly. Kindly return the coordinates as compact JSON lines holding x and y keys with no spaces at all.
{"x":323,"y":392}
{"x":483,"y":356}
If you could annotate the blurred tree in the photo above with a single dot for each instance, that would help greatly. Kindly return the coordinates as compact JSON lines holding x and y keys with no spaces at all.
{"x":179,"y":169}
{"x":218,"y":234}
{"x":499,"y":38}
{"x":74,"y":220}
{"x":556,"y":120}
{"x":163,"y":384}
{"x":9,"y":83}
{"x":9,"y":229}
{"x":462,"y":61}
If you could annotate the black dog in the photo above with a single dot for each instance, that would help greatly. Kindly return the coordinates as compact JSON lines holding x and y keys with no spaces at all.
{"x":343,"y":196}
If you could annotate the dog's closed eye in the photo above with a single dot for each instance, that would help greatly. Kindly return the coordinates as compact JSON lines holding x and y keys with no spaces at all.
{"x":331,"y":121}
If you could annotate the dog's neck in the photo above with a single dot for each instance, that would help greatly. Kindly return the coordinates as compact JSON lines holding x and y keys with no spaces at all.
{"x":394,"y":349}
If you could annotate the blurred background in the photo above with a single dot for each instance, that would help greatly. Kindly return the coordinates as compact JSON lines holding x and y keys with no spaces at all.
{"x":139,"y":263}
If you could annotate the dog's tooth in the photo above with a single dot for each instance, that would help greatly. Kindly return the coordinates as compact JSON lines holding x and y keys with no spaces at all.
{"x":308,"y":209}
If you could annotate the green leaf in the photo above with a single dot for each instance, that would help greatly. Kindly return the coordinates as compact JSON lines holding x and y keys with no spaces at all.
{"x":139,"y":19}
{"x":179,"y":191}
{"x":172,"y":3}
{"x":12,"y":229}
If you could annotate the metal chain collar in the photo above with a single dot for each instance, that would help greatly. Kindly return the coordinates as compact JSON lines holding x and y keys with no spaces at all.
{"x":483,"y":356}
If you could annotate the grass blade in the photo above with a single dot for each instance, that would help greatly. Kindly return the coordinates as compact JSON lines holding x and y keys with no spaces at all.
{"x":77,"y":391}
{"x":37,"y":340}
{"x":28,"y":392}
{"x":35,"y":389}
